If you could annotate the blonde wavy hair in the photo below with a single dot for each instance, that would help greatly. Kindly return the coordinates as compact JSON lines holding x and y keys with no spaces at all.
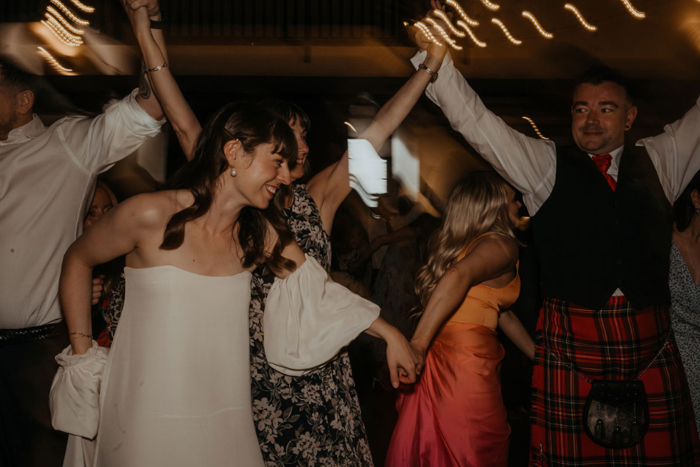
{"x":479,"y":204}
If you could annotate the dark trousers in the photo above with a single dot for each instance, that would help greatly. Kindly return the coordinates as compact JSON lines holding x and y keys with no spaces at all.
{"x":26,"y":372}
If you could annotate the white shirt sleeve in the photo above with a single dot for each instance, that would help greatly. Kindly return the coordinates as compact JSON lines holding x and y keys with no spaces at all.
{"x":97,"y":143}
{"x":676,"y":152}
{"x":529,"y":164}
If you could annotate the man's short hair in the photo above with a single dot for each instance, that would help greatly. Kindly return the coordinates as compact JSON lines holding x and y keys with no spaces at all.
{"x":600,"y":74}
{"x":16,"y":78}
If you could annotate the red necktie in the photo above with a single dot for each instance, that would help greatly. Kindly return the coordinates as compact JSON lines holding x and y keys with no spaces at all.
{"x":603,"y":163}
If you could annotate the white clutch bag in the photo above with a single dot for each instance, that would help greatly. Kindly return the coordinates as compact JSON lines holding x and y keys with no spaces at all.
{"x":75,"y":392}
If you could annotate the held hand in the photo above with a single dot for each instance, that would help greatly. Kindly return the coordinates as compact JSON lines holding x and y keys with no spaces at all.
{"x":435,"y":52}
{"x":419,"y":354}
{"x":401,"y":359}
{"x":152,"y":6}
{"x":97,"y":285}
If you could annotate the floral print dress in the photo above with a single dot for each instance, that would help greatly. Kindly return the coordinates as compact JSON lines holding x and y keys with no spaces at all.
{"x":315,"y":419}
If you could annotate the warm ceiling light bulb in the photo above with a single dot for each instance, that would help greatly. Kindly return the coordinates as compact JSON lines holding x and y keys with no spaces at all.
{"x":54,"y":63}
{"x":633,"y":11}
{"x":464,"y":26}
{"x":446,"y":37}
{"x":428,"y":34}
{"x":505,"y":31}
{"x":490,"y":6}
{"x":69,"y":13}
{"x":461,"y":12}
{"x":52,"y":13}
{"x":537,"y":25}
{"x":82,"y":7}
{"x":580,"y":17}
{"x":441,"y":14}
{"x":534,"y":127}
{"x":51,"y":25}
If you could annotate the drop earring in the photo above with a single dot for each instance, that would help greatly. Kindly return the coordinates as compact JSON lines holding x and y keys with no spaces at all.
{"x":233,"y":172}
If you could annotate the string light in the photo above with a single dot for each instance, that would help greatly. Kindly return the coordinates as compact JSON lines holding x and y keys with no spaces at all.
{"x":534,"y":127}
{"x":54,"y":63}
{"x":427,"y":33}
{"x":64,"y":32}
{"x":51,"y":25}
{"x":69,"y":13}
{"x":506,"y":32}
{"x":82,"y":7}
{"x":490,"y":6}
{"x":52,"y":13}
{"x":580,"y":17}
{"x":443,"y":33}
{"x":464,"y":26}
{"x":461,"y":12}
{"x":540,"y":29}
{"x":441,"y":14}
{"x":633,"y":11}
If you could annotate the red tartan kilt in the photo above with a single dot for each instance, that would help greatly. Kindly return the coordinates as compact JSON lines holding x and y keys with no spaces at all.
{"x":616,"y":342}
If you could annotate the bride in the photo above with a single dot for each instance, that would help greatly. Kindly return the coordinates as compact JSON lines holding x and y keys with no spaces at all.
{"x":176,"y":386}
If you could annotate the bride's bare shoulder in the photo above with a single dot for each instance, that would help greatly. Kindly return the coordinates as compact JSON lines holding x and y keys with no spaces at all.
{"x":154,"y":210}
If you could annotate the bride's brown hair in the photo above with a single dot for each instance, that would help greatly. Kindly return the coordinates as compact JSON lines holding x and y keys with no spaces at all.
{"x":251,"y":125}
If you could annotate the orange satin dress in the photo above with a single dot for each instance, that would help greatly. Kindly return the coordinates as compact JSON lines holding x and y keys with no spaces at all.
{"x":454,"y":415}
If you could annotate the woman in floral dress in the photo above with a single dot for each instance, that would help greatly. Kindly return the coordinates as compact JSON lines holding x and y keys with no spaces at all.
{"x":315,"y":419}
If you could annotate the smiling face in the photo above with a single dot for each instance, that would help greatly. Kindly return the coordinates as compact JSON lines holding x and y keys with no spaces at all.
{"x":259,"y":175}
{"x":300,"y":133}
{"x":600,"y":116}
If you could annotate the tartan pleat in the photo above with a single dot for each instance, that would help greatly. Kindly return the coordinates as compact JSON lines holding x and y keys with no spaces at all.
{"x":614,"y":343}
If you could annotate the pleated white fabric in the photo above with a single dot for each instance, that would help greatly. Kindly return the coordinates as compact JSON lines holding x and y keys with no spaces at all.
{"x":309,"y":318}
{"x":75,"y":392}
{"x":176,"y":389}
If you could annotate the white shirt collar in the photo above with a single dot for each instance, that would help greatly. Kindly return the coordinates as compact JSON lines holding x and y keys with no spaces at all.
{"x":615,"y":162}
{"x":26,"y":132}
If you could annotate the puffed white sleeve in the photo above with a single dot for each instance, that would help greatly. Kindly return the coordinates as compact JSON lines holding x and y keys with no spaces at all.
{"x":75,"y":391}
{"x":309,"y":318}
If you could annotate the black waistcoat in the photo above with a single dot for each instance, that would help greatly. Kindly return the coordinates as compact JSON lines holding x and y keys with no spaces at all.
{"x":592,"y":240}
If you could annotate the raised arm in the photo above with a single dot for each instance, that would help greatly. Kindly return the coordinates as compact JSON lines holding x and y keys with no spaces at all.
{"x":152,"y":44}
{"x":331,"y":186}
{"x":529,"y":164}
{"x":676,"y":152}
{"x":491,"y":258}
{"x":116,"y":234}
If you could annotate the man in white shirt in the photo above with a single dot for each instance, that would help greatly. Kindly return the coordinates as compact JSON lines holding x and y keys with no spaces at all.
{"x":601,"y":222}
{"x":47,"y":178}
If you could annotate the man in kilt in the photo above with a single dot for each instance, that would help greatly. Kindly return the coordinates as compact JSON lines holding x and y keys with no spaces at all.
{"x":602,"y":226}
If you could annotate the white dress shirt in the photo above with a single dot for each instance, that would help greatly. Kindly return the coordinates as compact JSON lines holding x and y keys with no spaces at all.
{"x":529,"y":164}
{"x":47,"y":178}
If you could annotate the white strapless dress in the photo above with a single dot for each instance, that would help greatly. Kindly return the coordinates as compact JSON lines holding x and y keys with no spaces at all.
{"x":176,"y":387}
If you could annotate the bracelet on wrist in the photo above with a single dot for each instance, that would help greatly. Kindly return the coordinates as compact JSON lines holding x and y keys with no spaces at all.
{"x":433,"y":74}
{"x":80,"y":334}
{"x":158,"y":68}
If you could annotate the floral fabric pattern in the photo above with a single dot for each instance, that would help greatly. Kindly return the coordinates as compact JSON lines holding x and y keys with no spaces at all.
{"x":111,"y":310}
{"x":315,"y":419}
